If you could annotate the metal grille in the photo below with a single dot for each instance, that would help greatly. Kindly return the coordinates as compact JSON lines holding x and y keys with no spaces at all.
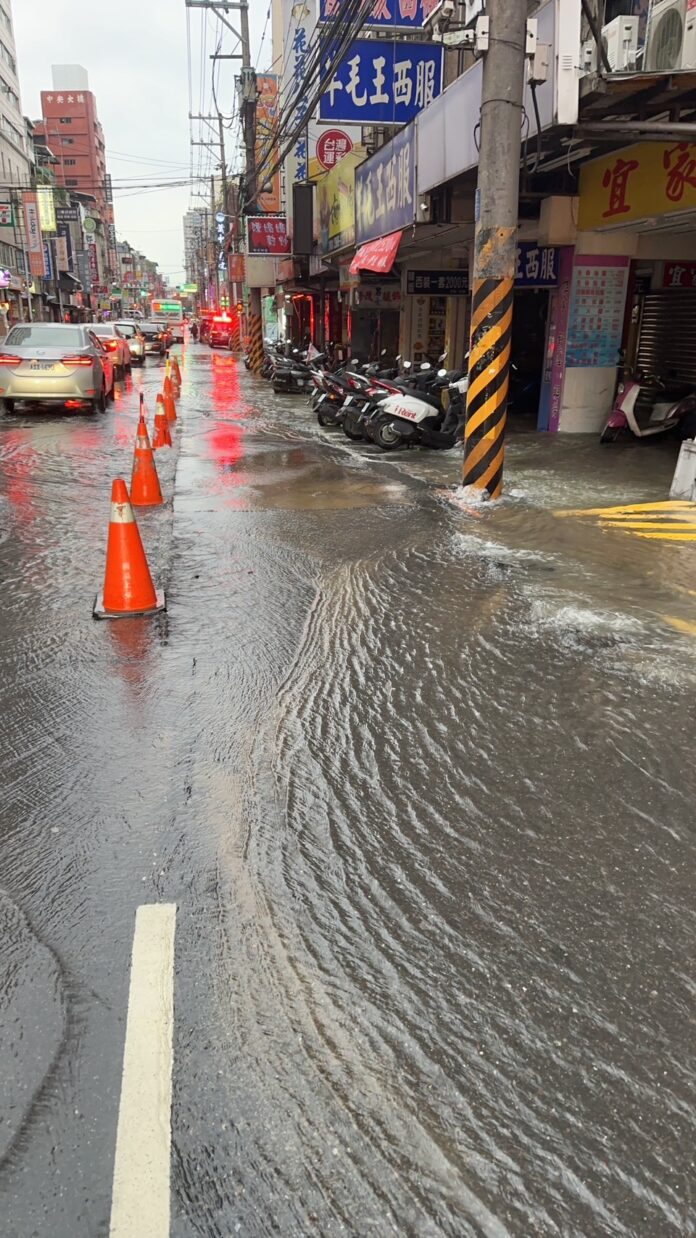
{"x":667,"y":344}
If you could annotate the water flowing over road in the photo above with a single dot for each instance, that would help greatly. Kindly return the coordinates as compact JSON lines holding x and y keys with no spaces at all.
{"x":419,"y":783}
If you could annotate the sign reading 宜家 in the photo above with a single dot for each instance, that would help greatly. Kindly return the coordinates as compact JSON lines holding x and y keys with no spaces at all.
{"x":437,"y":283}
{"x":638,"y":182}
{"x":679,"y":275}
{"x":380,"y":82}
{"x":537,"y":265}
{"x":385,"y":189}
{"x":407,"y":14}
{"x":268,"y":234}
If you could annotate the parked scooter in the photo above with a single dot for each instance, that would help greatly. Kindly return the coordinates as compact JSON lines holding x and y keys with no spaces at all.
{"x":646,"y":406}
{"x":419,"y":419}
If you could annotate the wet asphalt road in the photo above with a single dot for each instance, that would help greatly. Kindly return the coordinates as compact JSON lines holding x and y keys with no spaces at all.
{"x":420,"y":782}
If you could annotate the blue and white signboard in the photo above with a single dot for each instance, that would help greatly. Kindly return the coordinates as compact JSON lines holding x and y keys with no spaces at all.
{"x":380,"y":82}
{"x":399,"y":14}
{"x":537,"y":265}
{"x":385,"y":189}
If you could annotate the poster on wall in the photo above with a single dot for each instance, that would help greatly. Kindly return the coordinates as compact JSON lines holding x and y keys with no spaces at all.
{"x":266,"y":143}
{"x":598,"y":300}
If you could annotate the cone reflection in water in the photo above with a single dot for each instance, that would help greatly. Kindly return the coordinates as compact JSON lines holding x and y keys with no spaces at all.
{"x":128,"y":587}
{"x":162,"y":436}
{"x":145,"y":487}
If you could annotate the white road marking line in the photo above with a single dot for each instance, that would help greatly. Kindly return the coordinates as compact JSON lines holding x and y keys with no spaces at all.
{"x":140,"y":1202}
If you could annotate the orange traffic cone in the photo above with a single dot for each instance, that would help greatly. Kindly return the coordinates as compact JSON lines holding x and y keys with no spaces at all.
{"x":167,"y":387}
{"x":128,"y":588}
{"x":162,"y":436}
{"x":169,"y":407}
{"x":145,"y":487}
{"x":176,"y":371}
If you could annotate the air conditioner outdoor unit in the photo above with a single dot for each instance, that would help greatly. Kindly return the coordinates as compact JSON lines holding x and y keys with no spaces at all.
{"x":620,"y":38}
{"x":670,"y":43}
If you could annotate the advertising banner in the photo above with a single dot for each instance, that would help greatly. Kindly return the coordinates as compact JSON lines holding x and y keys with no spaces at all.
{"x":268,"y":234}
{"x":68,"y":214}
{"x":385,"y":192}
{"x":597,"y":306}
{"x":336,"y":204}
{"x":404,"y":14}
{"x":64,"y":234}
{"x":47,"y":210}
{"x":437,"y":283}
{"x":61,"y":252}
{"x":266,"y":144}
{"x":642,"y":181}
{"x":380,"y":82}
{"x":33,"y":231}
{"x":6,"y":215}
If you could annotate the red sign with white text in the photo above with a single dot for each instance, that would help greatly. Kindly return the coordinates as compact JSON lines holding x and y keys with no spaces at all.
{"x":679,"y":275}
{"x":332,"y":145}
{"x":268,"y":234}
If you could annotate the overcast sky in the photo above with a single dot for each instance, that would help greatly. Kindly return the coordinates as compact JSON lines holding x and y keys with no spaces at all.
{"x":135,"y":52}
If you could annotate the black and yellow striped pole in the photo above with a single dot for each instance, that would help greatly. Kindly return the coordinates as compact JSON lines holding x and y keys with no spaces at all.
{"x":255,"y":343}
{"x":495,"y":246}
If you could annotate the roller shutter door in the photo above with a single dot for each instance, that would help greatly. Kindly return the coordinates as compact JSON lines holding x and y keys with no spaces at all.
{"x":667,"y":343}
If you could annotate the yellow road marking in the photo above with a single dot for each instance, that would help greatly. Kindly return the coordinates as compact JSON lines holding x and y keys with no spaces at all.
{"x":682,"y":625}
{"x":671,"y":505}
{"x":670,"y":537}
{"x":666,"y":526}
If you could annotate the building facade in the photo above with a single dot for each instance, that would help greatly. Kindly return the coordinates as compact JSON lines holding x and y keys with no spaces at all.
{"x":16,"y":168}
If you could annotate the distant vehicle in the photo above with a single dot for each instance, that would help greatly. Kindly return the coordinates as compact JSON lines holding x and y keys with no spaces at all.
{"x":154,"y":335}
{"x":136,"y":342}
{"x":55,"y":363}
{"x":167,"y":311}
{"x":177,"y":332}
{"x":220,"y":331}
{"x":117,"y":344}
{"x":165,"y":334}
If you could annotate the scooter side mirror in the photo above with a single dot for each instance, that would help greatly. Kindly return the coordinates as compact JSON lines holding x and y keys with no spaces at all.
{"x":383,"y":352}
{"x":443,"y":357}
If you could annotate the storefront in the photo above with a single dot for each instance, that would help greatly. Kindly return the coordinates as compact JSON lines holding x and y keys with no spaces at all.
{"x":374,"y":320}
{"x":664,"y":316}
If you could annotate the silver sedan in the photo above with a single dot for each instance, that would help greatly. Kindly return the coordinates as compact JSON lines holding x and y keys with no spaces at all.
{"x":55,"y":363}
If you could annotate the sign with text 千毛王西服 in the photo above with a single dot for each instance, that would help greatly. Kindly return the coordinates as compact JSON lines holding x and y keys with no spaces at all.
{"x":385,"y":189}
{"x":381,"y":82}
{"x":537,"y":265}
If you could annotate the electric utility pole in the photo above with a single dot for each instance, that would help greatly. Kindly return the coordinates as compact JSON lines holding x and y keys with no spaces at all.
{"x":495,"y":244}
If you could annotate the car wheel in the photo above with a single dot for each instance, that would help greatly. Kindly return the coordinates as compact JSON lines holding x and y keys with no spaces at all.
{"x":99,"y":405}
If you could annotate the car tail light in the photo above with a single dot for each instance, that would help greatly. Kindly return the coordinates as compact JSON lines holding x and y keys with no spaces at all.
{"x":80,"y":359}
{"x":112,"y":345}
{"x":6,"y":358}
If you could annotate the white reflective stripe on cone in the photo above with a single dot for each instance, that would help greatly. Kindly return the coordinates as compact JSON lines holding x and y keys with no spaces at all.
{"x":122,"y":513}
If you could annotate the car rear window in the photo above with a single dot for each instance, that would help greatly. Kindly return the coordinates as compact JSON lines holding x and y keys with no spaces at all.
{"x":125,"y":328}
{"x":103,"y":328}
{"x":45,"y":335}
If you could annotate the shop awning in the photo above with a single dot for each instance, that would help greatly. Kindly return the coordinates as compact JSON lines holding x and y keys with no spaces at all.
{"x":377,"y":256}
{"x":69,"y":283}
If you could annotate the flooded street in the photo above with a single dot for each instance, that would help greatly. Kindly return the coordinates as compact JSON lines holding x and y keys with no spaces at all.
{"x":419,"y":781}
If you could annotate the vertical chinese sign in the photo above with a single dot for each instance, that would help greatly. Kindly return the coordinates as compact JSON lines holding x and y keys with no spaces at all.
{"x":266,"y":143}
{"x":35,"y":247}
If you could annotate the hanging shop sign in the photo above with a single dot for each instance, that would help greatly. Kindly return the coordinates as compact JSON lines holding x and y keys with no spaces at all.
{"x":381,"y":82}
{"x":377,"y":296}
{"x":268,"y":234}
{"x":68,"y":214}
{"x":47,"y":209}
{"x":537,"y":265}
{"x":437,"y":283}
{"x":679,"y":275}
{"x":266,"y":144}
{"x":60,"y":249}
{"x":332,"y":145}
{"x":404,"y":14}
{"x":336,"y":204}
{"x":597,"y":305}
{"x":385,"y":192}
{"x":235,"y":268}
{"x":6,"y":215}
{"x":48,"y":260}
{"x":33,"y":232}
{"x":642,"y":181}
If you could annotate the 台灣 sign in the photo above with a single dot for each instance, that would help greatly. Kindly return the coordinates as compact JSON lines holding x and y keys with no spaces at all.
{"x":407,"y":14}
{"x":268,"y":234}
{"x":438,"y":283}
{"x":380,"y":82}
{"x":537,"y":266}
{"x":385,"y":189}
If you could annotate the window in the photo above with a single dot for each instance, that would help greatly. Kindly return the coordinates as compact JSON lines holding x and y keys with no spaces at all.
{"x":9,"y":93}
{"x":70,"y":163}
{"x":68,"y":141}
{"x":71,"y":180}
{"x":65,"y":120}
{"x":7,"y":56}
{"x":12,"y":132}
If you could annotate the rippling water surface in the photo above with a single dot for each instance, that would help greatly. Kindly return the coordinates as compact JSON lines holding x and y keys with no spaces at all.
{"x":420,"y":783}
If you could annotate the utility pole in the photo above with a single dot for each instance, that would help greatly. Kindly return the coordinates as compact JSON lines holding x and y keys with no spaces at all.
{"x":249,"y":96}
{"x":495,"y":245}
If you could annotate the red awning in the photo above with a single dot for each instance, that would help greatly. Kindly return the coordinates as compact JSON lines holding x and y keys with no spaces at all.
{"x":377,"y":256}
